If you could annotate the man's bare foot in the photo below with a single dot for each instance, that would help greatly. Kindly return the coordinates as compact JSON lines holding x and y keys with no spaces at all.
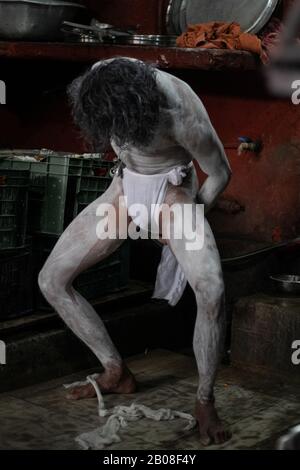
{"x":113,"y":380}
{"x":211,"y":428}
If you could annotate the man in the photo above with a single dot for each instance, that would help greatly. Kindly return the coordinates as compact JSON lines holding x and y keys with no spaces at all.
{"x":156,"y":124}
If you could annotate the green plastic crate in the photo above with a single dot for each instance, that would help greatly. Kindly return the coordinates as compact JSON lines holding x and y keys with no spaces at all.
{"x":37,"y":187}
{"x":91,"y":187}
{"x":54,"y":184}
{"x":16,"y":294}
{"x":63,"y":188}
{"x":13,"y":207}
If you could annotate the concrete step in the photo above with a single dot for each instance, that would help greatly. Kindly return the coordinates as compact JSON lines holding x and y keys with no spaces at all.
{"x":264,"y":329}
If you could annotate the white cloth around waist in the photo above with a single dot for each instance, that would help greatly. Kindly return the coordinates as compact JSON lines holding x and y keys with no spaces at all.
{"x":144,"y":196}
{"x":148,"y":192}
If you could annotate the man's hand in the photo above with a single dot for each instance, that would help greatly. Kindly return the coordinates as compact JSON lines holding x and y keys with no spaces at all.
{"x":213,"y":186}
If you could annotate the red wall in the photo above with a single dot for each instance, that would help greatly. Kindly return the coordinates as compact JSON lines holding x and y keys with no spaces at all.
{"x":267,"y":185}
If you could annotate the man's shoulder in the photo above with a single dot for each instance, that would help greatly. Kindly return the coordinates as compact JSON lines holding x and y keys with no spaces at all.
{"x":170,"y":83}
{"x":179,"y":93}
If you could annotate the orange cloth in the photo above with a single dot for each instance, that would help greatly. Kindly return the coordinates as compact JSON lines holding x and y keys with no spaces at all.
{"x":217,"y":35}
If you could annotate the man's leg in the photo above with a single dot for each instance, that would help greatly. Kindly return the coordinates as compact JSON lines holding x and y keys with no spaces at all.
{"x":78,"y":248}
{"x":203,"y":271}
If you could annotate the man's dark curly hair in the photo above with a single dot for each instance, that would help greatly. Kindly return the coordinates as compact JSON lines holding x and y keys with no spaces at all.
{"x":119,"y":100}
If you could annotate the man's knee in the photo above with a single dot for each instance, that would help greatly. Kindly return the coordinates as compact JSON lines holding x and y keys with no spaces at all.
{"x":51,"y":284}
{"x":209,"y":292}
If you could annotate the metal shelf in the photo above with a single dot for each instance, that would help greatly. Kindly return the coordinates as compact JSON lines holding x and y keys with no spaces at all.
{"x":167,"y":58}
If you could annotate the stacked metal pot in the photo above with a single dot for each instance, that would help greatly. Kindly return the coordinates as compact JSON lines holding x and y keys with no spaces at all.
{"x":36,"y":19}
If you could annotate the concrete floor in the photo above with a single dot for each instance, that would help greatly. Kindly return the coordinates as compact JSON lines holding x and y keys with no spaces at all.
{"x":258,"y":411}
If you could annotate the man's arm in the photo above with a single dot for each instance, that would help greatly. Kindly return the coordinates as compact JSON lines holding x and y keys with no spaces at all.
{"x":194,"y":132}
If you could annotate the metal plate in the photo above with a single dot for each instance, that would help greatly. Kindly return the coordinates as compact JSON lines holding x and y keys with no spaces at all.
{"x":251,"y":15}
{"x":182,"y":16}
{"x":172,"y":19}
{"x":169,"y":23}
{"x":176,"y":16}
{"x":145,"y":39}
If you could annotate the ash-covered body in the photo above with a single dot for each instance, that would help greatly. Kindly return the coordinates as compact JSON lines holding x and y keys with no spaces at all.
{"x":183,"y":133}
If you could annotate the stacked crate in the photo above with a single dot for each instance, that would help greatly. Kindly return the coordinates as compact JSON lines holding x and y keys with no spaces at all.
{"x":15,"y":256}
{"x":16,"y":287}
{"x":60,"y":186}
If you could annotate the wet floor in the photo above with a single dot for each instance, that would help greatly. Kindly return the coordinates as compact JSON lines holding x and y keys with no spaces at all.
{"x":257,"y":410}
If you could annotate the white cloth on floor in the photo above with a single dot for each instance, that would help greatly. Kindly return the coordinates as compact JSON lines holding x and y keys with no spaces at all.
{"x":150,"y":191}
{"x":108,"y":433}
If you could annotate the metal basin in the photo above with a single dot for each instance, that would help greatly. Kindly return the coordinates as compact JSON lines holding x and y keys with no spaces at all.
{"x":35,"y":19}
{"x":286,"y":283}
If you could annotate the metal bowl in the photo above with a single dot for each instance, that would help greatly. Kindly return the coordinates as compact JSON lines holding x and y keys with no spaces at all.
{"x":145,"y":40}
{"x":286,"y":283}
{"x":35,"y":19}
